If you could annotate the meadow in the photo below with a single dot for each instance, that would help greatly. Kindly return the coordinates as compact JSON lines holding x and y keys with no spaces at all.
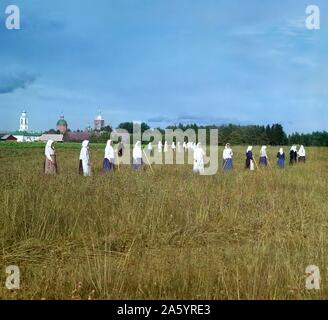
{"x":169,"y":234}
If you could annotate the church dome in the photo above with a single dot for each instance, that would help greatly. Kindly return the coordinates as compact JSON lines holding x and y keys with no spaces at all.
{"x":62,"y":122}
{"x":99,"y":118}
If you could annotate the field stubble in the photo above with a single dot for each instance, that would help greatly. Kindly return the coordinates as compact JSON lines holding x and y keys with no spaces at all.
{"x":163,"y":235}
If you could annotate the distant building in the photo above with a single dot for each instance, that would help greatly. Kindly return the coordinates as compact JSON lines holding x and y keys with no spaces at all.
{"x":8,"y":137}
{"x":53,"y":137}
{"x":62,"y":125}
{"x":99,"y":123}
{"x":24,"y":134}
{"x":23,"y":122}
{"x":76,"y":136}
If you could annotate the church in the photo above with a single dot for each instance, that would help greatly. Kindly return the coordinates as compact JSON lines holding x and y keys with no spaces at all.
{"x":24,"y":134}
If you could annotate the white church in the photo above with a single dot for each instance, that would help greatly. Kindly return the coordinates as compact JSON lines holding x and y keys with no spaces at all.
{"x":23,"y":134}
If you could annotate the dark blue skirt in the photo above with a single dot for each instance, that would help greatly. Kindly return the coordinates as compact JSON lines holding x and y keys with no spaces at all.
{"x":228,"y":165}
{"x":107,"y":166}
{"x":281,"y":163}
{"x":137,"y":164}
{"x":263,"y":161}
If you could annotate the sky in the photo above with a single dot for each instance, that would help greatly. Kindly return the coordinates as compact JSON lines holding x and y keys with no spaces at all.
{"x":164,"y":62}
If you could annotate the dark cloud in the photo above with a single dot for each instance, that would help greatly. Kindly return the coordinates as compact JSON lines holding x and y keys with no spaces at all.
{"x":12,"y":81}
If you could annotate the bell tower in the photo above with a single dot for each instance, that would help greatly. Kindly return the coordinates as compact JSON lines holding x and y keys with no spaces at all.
{"x":23,"y":122}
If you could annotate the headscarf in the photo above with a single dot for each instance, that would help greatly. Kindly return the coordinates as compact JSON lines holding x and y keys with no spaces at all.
{"x":250,"y":148}
{"x":227,"y":152}
{"x":263,"y":151}
{"x":49,"y":150}
{"x":281,"y":151}
{"x":85,"y":144}
{"x":301,"y":151}
{"x":137,"y":152}
{"x":109,"y":150}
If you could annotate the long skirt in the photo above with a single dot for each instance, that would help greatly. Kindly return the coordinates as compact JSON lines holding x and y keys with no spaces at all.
{"x":50,"y":167}
{"x":108,"y":165}
{"x":199,"y":167}
{"x":302,"y":159}
{"x":84,"y":169}
{"x":281,"y":163}
{"x":252,"y":165}
{"x":263,"y":161}
{"x":227,"y":165}
{"x":137,"y":164}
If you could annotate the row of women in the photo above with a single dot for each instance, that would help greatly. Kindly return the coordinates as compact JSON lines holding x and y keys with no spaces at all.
{"x":174,"y":147}
{"x":50,"y":165}
{"x":250,"y":164}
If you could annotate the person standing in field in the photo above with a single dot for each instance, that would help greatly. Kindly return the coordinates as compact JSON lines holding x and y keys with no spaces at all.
{"x":263,"y":157}
{"x":281,"y":158}
{"x":109,"y":159}
{"x":249,"y":159}
{"x":199,"y":159}
{"x":227,"y":158}
{"x":166,"y":147}
{"x":120,"y":149}
{"x":302,"y":155}
{"x":293,"y":155}
{"x":184,"y":145}
{"x":137,"y":161}
{"x":150,"y":149}
{"x":178,"y":146}
{"x":50,"y":163}
{"x":85,"y":165}
{"x":160,"y":146}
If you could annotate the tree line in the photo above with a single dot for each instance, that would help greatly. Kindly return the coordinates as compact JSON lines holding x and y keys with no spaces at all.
{"x":234,"y":134}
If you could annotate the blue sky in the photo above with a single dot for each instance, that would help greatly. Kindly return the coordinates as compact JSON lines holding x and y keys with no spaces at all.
{"x":163,"y":62}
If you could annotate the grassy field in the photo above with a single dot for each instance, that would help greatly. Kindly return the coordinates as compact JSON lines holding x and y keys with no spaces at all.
{"x":163,"y":235}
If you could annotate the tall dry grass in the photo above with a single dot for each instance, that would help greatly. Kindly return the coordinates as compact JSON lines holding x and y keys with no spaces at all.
{"x":167,"y":235}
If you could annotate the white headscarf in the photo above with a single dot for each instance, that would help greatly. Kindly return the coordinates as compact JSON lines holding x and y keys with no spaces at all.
{"x":49,"y":151}
{"x":250,"y":148}
{"x":263,"y":151}
{"x":109,"y":151}
{"x":137,"y":151}
{"x":281,"y":151}
{"x":293,"y":148}
{"x":227,"y":152}
{"x":301,"y":151}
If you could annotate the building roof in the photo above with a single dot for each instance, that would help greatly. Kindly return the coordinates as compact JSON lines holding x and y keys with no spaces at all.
{"x":76,"y":136}
{"x":99,"y":118}
{"x":54,"y":137}
{"x":62,"y":122}
{"x":25,"y":133}
{"x":7,"y":137}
